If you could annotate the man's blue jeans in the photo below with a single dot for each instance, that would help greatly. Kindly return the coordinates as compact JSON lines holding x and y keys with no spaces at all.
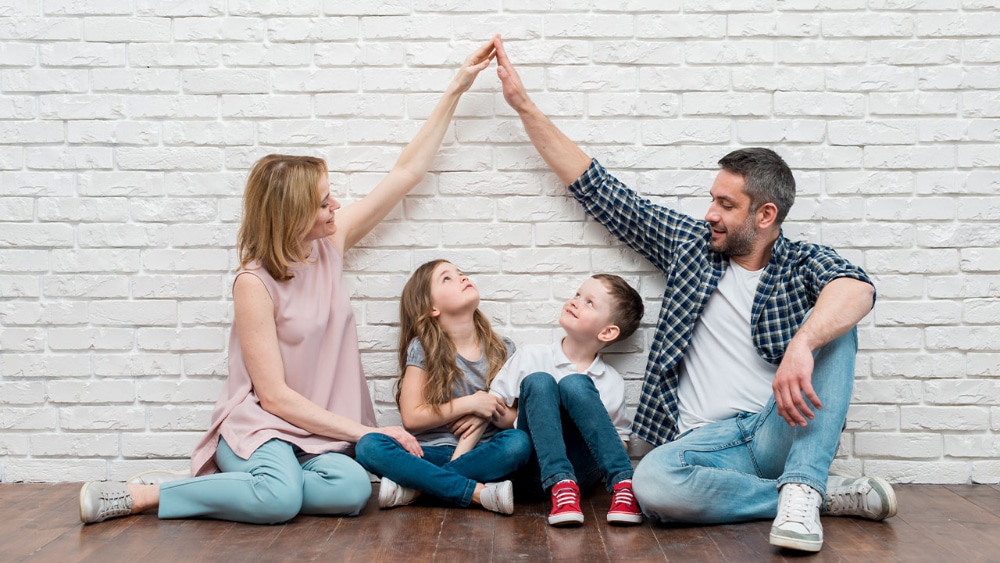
{"x":730,"y":471}
{"x":571,"y":431}
{"x":435,"y":474}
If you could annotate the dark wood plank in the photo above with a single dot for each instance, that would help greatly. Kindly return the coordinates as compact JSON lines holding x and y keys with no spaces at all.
{"x":521,"y":536}
{"x":40,"y":522}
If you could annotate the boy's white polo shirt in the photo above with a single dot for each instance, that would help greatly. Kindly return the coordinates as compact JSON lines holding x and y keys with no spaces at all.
{"x":551,"y":359}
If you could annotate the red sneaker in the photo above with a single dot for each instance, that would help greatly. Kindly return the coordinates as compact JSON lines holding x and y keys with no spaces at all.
{"x":624,"y":509}
{"x":565,"y":505}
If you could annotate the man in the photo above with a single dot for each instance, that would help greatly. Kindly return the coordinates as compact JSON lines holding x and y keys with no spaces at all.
{"x":751,"y":368}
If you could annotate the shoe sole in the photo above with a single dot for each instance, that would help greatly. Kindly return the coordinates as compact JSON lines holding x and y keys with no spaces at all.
{"x":624,"y":519}
{"x":889,"y":497}
{"x":795,"y":543}
{"x":83,"y":496}
{"x":566,"y":520}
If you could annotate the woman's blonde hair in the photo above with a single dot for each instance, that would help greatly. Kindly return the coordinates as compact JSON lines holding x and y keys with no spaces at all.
{"x":440,"y":355}
{"x":279,"y":205}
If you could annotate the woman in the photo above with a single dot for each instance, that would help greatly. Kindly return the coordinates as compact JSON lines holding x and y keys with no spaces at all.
{"x":295,"y":400}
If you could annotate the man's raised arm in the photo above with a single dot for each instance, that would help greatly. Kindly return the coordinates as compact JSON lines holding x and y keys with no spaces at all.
{"x":562,"y":155}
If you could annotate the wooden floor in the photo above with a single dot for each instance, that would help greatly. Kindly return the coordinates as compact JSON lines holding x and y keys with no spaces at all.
{"x":39,"y":522}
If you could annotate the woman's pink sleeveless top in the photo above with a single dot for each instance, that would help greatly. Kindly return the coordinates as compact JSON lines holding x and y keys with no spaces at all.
{"x":318,"y":341}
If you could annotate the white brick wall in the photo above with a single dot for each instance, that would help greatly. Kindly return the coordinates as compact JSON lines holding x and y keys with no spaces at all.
{"x":126,"y":130}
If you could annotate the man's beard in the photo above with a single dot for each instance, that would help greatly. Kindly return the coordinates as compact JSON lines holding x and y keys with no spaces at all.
{"x":739,"y":241}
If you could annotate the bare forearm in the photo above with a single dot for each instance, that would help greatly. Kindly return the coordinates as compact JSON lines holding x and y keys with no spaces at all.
{"x":563,"y":156}
{"x":840,"y":306}
{"x":303,"y":413}
{"x":466,"y":443}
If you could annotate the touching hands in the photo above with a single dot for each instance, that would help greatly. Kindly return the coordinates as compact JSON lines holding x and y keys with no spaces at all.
{"x":792,"y":380}
{"x":513,"y":89}
{"x":404,"y":438}
{"x":466,"y":425}
{"x":473,"y":65}
{"x":485,"y":405}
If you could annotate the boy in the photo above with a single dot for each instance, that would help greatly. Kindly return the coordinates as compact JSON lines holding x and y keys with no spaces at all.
{"x":572,"y":404}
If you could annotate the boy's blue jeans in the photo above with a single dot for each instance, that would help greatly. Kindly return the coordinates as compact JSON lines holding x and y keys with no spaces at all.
{"x":571,"y":431}
{"x":435,"y":474}
{"x":730,"y":471}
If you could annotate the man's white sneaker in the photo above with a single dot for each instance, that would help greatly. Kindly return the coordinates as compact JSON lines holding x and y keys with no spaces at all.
{"x":864,"y":497}
{"x":797,"y":525}
{"x":391,"y":494}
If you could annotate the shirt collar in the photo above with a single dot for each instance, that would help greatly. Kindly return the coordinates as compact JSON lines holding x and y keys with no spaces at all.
{"x":596,"y":368}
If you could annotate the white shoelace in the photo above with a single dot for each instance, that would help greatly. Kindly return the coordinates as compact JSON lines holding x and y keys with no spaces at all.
{"x":623,"y":496}
{"x":852,"y":499}
{"x":565,"y":496}
{"x":798,"y":504}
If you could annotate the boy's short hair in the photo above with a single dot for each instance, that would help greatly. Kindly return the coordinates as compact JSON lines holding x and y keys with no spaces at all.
{"x":627,"y":307}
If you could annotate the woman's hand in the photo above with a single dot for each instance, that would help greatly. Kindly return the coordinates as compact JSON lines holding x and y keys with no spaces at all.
{"x":473,"y":65}
{"x":404,"y":438}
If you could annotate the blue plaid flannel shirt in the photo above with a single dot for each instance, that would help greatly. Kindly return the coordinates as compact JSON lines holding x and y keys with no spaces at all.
{"x":679,"y":246}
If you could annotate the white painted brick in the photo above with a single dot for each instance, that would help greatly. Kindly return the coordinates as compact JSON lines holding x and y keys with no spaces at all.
{"x":202,"y":313}
{"x":983,"y":364}
{"x":23,"y":339}
{"x":174,"y":287}
{"x":196,"y":339}
{"x":688,"y":131}
{"x":70,"y":339}
{"x":122,"y":133}
{"x":491,"y":235}
{"x":219,"y":29}
{"x":41,"y":29}
{"x":44,"y":365}
{"x":986,"y":472}
{"x":872,"y":418}
{"x":119,"y":365}
{"x":14,"y":445}
{"x":737,"y":104}
{"x":965,"y":445}
{"x":19,"y":286}
{"x":963,"y":338}
{"x":207,"y":133}
{"x":916,"y":52}
{"x":911,"y":262}
{"x":312,"y":30}
{"x":77,"y":392}
{"x":886,"y":392}
{"x":902,"y":132}
{"x":22,"y":392}
{"x":945,"y":419}
{"x":31,"y":418}
{"x":898,"y":446}
{"x":822,"y":52}
{"x":818,"y":104}
{"x":179,"y":8}
{"x":201,"y":184}
{"x":981,"y":311}
{"x":974,"y":182}
{"x":205,"y":235}
{"x":179,"y":391}
{"x":41,"y":314}
{"x":930,"y":473}
{"x":170,"y":418}
{"x":955,"y":287}
{"x":962,"y":392}
{"x":174,"y":55}
{"x":160,"y":444}
{"x":87,"y":8}
{"x":50,"y":158}
{"x":982,"y":50}
{"x":54,"y":470}
{"x":979,"y":156}
{"x":173,"y":107}
{"x":868,"y":25}
{"x":938,"y":103}
{"x":95,"y":261}
{"x":123,"y":29}
{"x":114,"y":313}
{"x":213,"y":364}
{"x":186,"y":261}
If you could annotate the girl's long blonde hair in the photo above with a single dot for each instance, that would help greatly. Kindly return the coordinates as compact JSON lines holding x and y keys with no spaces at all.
{"x":279,"y":205}
{"x":440,"y":355}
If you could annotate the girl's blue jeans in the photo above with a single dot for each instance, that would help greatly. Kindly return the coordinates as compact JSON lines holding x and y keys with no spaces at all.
{"x":272,"y":486}
{"x":571,"y":431}
{"x":435,"y":474}
{"x":730,"y":471}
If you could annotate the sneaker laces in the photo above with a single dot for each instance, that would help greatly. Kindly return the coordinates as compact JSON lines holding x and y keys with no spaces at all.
{"x":623,"y":495}
{"x":564,"y":496}
{"x":798,"y":503}
{"x":851,"y":499}
{"x":115,"y":503}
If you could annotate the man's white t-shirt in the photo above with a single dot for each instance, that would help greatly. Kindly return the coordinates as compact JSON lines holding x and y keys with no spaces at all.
{"x":721,"y":375}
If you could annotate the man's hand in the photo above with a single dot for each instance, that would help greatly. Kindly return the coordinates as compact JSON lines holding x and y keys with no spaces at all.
{"x":794,"y":377}
{"x":513,"y":89}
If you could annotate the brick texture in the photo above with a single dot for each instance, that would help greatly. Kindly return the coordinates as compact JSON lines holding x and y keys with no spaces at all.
{"x":126,"y":130}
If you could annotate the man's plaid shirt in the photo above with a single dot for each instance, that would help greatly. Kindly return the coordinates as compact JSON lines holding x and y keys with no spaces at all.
{"x":679,"y":246}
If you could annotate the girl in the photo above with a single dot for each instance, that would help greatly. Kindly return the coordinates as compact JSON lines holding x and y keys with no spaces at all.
{"x":448,"y":354}
{"x":295,"y":399}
